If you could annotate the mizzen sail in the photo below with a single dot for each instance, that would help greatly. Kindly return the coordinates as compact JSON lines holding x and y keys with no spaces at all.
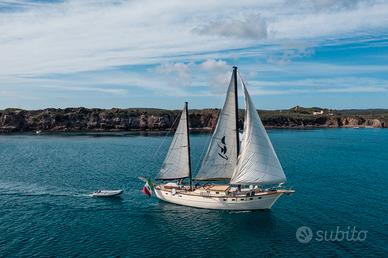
{"x":257,"y":163}
{"x":176,"y":165}
{"x":221,"y":157}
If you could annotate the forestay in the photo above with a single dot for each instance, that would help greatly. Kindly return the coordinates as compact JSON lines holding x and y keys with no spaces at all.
{"x":257,"y":163}
{"x":176,"y":164}
{"x":221,"y":157}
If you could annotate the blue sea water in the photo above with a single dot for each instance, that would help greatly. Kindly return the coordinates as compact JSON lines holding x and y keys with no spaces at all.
{"x":340,"y":177}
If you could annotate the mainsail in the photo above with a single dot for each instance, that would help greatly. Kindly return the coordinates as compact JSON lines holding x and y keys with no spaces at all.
{"x":176,"y":165}
{"x":221,"y":157}
{"x":257,"y":163}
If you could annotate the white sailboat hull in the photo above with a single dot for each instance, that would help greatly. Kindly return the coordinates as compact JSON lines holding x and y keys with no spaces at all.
{"x":241,"y":203}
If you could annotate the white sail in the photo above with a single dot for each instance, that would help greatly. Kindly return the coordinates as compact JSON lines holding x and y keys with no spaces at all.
{"x":176,"y":164}
{"x":257,"y":163}
{"x":221,"y":157}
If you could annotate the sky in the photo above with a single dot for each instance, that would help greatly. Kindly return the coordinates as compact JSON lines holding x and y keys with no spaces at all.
{"x":116,"y":53}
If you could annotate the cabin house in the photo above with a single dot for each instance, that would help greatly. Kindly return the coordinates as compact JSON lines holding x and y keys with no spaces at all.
{"x":315,"y":113}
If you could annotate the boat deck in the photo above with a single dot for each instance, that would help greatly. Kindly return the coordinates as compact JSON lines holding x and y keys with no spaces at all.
{"x":221,"y":191}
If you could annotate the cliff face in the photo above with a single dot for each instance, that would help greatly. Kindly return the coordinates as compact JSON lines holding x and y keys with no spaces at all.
{"x":82,"y":119}
{"x":325,"y":122}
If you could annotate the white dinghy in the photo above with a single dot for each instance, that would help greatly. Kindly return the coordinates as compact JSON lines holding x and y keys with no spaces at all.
{"x":107,"y":193}
{"x":248,"y":173}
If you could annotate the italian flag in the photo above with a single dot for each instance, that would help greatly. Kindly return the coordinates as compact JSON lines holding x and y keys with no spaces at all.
{"x":147,"y":188}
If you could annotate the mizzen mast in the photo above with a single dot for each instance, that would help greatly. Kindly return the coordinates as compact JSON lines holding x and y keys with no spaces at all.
{"x":188,"y":145}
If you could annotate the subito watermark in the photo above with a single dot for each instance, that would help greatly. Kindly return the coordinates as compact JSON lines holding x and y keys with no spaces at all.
{"x":305,"y":234}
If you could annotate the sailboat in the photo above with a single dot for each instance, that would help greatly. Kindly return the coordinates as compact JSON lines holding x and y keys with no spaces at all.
{"x":235,"y":174}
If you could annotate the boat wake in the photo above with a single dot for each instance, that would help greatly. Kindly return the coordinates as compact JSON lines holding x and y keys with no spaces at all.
{"x":23,"y":189}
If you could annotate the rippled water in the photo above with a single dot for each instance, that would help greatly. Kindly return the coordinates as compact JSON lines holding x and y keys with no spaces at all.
{"x":340,"y":176}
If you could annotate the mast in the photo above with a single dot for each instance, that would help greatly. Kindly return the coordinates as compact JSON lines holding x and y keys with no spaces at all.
{"x":188,"y":147}
{"x":236,"y":109}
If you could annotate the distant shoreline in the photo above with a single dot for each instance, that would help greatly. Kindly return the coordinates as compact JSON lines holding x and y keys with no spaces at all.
{"x":161,"y":120}
{"x":155,"y":133}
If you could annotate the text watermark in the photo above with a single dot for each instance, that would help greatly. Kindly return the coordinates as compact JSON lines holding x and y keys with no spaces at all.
{"x":305,"y":234}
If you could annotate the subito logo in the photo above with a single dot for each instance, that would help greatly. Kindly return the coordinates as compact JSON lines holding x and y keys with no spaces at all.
{"x":304,"y":234}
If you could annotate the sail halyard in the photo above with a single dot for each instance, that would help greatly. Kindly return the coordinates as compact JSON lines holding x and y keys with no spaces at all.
{"x":221,"y":157}
{"x":257,"y":163}
{"x":177,"y":162}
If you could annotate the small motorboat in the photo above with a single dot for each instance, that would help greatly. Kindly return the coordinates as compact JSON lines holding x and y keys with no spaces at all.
{"x":107,"y":193}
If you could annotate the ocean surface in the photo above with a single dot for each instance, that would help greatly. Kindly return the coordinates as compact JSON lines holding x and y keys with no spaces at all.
{"x":340,"y":177}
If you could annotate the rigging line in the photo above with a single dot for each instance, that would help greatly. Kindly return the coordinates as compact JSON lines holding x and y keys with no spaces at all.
{"x":166,"y":135}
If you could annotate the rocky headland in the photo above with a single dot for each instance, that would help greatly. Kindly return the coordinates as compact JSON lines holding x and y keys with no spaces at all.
{"x":142,"y":119}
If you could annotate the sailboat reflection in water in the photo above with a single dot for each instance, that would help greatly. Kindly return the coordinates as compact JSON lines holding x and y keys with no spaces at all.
{"x":240,"y":174}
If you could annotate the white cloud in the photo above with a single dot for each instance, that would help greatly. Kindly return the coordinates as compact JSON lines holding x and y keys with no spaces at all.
{"x":217,"y":73}
{"x":187,"y":42}
{"x":215,"y":65}
{"x":251,"y":27}
{"x":183,"y":75}
{"x":310,"y":24}
{"x":333,"y":85}
{"x":77,"y":36}
{"x":332,"y":5}
{"x":176,"y":73}
{"x":290,"y":52}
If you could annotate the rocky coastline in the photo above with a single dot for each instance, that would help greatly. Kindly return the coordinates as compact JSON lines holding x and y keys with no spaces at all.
{"x":146,"y":119}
